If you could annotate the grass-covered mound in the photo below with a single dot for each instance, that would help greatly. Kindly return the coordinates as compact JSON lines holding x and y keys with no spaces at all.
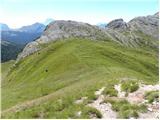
{"x":70,"y":69}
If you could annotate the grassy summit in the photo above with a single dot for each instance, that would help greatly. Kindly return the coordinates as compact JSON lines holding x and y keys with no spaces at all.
{"x":66,"y":70}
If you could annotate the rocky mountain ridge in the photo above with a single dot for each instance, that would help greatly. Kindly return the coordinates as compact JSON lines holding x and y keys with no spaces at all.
{"x":137,"y":32}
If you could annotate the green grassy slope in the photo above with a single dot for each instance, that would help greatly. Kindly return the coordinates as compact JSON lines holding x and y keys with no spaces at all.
{"x":70,"y":69}
{"x":5,"y":67}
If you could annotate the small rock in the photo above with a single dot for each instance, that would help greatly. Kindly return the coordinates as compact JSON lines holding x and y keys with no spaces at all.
{"x":99,"y":92}
{"x":150,"y":109}
{"x":80,"y":100}
{"x":154,"y":102}
{"x":132,"y":118}
{"x":78,"y":114}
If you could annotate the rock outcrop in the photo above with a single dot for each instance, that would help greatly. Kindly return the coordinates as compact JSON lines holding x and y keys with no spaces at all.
{"x":148,"y":25}
{"x":139,"y":31}
{"x":29,"y":49}
{"x":117,"y":24}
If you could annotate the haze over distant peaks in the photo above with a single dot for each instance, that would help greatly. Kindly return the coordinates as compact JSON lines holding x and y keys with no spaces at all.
{"x":36,"y":27}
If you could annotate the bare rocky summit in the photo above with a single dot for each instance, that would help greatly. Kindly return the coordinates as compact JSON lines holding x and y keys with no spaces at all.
{"x":117,"y":24}
{"x":140,"y":31}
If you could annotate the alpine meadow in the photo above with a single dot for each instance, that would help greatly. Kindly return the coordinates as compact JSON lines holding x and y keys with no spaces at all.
{"x":75,"y":70}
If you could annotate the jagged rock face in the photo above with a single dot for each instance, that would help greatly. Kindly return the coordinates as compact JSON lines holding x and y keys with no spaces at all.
{"x":148,"y":25}
{"x":117,"y":24}
{"x":128,"y":34}
{"x":132,"y":33}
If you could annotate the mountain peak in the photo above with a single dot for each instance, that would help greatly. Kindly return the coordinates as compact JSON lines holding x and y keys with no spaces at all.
{"x":116,"y":24}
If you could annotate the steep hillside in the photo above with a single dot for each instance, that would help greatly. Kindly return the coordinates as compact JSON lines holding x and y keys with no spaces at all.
{"x":68,"y":70}
{"x":5,"y":68}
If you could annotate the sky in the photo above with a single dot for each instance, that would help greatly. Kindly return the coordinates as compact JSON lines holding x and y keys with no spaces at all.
{"x":17,"y":13}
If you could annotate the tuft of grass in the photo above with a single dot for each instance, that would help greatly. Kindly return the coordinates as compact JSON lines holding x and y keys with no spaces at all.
{"x":129,"y":86}
{"x":152,"y":96}
{"x":92,"y":97}
{"x":125,"y":109}
{"x":142,"y":108}
{"x":110,"y":91}
{"x":92,"y":112}
{"x":127,"y":114}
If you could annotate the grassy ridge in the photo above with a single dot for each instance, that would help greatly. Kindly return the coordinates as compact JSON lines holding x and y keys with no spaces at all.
{"x":72,"y":69}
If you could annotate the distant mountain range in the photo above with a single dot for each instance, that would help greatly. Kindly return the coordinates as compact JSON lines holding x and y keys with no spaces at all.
{"x":34,"y":28}
{"x":18,"y":38}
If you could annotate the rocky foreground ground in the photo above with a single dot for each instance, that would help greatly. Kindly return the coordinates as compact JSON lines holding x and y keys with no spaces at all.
{"x":137,"y":97}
